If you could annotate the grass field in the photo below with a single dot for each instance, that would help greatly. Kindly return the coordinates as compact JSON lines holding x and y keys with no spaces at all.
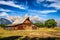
{"x":41,"y":32}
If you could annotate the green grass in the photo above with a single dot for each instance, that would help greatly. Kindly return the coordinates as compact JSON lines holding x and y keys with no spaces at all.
{"x":41,"y":32}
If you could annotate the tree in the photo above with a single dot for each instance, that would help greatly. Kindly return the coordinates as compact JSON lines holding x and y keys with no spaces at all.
{"x":2,"y":25}
{"x":39,"y":24}
{"x":50,"y":23}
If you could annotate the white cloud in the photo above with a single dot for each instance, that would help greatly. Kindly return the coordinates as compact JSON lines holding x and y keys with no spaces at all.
{"x":11,"y":3}
{"x":5,"y":10}
{"x":51,"y":0}
{"x":36,"y":18}
{"x":26,"y":15}
{"x":4,"y":14}
{"x":47,"y":11}
{"x":56,"y":4}
{"x":43,"y":11}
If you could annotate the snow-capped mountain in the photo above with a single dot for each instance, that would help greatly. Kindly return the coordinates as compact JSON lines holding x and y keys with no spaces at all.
{"x":4,"y":21}
{"x":13,"y":18}
{"x":17,"y":20}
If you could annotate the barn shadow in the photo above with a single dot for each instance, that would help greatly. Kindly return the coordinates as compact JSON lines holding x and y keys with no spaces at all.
{"x":28,"y":38}
{"x":10,"y":38}
{"x":37,"y":38}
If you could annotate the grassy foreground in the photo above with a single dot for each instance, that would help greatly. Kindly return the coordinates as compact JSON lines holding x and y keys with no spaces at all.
{"x":41,"y":32}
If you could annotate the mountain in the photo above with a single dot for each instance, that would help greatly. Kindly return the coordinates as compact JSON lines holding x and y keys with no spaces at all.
{"x":18,"y":19}
{"x":13,"y":18}
{"x":4,"y":21}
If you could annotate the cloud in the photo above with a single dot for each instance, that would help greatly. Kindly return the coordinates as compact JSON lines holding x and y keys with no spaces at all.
{"x":5,"y":10}
{"x":4,"y":14}
{"x":42,"y":11}
{"x":56,"y":4}
{"x":35,"y":18}
{"x":47,"y":11}
{"x":26,"y":15}
{"x":51,"y":0}
{"x":11,"y":3}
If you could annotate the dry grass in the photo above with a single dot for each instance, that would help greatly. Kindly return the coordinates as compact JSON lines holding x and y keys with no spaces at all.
{"x":41,"y":32}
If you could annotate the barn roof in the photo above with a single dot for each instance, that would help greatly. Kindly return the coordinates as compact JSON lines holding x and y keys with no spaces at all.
{"x":20,"y":21}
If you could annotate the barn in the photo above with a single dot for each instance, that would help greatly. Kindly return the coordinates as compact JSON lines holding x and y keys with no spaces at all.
{"x":25,"y":25}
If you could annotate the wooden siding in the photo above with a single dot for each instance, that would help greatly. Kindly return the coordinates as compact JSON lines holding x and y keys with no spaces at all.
{"x":26,"y":25}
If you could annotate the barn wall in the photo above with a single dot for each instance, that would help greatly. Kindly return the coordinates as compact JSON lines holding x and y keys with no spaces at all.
{"x":9,"y":28}
{"x":24,"y":27}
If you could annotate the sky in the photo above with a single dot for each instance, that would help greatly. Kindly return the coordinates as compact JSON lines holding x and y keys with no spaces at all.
{"x":45,"y":9}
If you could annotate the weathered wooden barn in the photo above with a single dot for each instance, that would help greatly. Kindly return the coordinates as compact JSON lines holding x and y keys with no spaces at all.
{"x":26,"y":25}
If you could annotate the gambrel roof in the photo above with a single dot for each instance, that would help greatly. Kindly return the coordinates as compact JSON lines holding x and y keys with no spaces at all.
{"x":20,"y":21}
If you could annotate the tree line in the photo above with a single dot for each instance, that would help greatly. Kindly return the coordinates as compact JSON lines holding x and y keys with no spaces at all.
{"x":48,"y":23}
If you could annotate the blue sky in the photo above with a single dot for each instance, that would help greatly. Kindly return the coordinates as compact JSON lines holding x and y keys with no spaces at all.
{"x":46,"y":9}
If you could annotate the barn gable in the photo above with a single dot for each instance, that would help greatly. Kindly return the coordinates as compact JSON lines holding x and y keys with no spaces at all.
{"x":27,"y":24}
{"x":27,"y":21}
